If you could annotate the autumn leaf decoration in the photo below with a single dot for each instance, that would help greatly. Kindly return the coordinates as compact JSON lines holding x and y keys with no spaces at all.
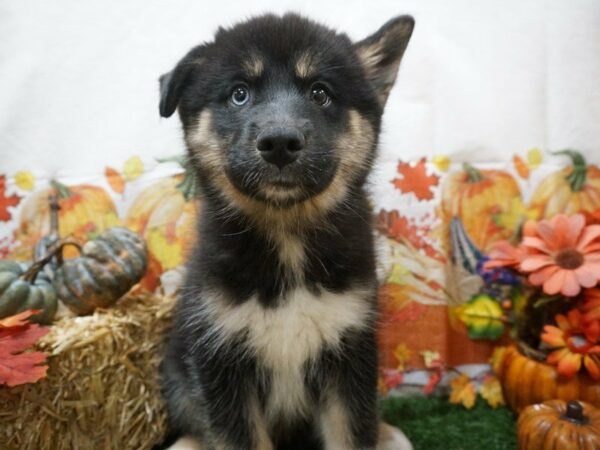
{"x":18,"y":366}
{"x":415,"y":179}
{"x":6,"y":201}
{"x":462,"y":391}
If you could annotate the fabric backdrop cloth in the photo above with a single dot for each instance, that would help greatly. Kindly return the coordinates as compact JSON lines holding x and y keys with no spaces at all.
{"x":499,"y":85}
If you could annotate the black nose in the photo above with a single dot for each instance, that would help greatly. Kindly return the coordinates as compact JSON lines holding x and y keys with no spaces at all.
{"x":280,"y":145}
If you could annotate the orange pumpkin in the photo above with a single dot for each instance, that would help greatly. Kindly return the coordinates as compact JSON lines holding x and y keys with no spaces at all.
{"x":164,"y":214}
{"x":488,"y":202}
{"x":557,"y":425}
{"x":526,"y":381}
{"x":570,"y":190}
{"x":85,"y":211}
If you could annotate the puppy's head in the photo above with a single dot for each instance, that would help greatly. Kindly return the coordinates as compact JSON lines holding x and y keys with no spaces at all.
{"x":280,"y":110}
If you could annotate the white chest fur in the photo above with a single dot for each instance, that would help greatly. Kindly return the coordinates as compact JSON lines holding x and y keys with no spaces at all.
{"x":286,"y":337}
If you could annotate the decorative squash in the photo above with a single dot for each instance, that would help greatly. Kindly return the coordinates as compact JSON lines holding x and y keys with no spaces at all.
{"x":85,"y":211}
{"x":488,"y":203}
{"x":165,"y":215}
{"x":107,"y":268}
{"x":26,"y":287}
{"x":558,"y":425}
{"x":526,"y":381}
{"x":574,"y":189}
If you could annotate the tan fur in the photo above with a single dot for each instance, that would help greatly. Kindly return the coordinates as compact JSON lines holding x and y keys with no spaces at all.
{"x":334,"y":425}
{"x":253,"y":66}
{"x":371,"y":56}
{"x":304,"y":66}
{"x":287,"y":337}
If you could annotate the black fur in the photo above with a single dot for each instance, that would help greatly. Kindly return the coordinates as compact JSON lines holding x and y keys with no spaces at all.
{"x":210,"y":383}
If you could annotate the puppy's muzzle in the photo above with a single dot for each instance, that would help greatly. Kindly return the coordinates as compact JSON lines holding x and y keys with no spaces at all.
{"x":280,"y":145}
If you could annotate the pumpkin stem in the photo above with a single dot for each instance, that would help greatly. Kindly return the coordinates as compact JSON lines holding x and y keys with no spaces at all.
{"x":574,"y":413}
{"x":62,"y":190}
{"x":474,"y":175}
{"x":577,"y":177}
{"x":188,"y":185}
{"x":31,"y":273}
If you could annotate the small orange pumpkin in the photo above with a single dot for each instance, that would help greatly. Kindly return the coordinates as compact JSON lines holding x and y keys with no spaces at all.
{"x":558,"y":425}
{"x":485,"y":201}
{"x":526,"y":381}
{"x":165,"y":215}
{"x":85,"y":211}
{"x":570,"y":190}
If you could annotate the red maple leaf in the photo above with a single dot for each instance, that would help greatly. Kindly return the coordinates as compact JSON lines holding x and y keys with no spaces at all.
{"x":5,"y":201}
{"x":16,"y":336}
{"x":415,"y":179}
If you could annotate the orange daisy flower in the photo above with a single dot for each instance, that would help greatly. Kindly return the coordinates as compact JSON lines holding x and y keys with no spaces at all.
{"x":562,"y":254}
{"x":575,"y":342}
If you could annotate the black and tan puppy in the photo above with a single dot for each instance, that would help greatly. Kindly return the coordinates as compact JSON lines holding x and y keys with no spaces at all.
{"x":273,"y":345}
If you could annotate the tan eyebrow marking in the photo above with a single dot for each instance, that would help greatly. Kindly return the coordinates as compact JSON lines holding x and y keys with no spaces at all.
{"x":253,"y":66}
{"x":305,"y":65}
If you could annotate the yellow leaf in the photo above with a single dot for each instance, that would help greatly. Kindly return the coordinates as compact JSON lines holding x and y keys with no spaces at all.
{"x":398,"y":274}
{"x":491,"y":391}
{"x":534,"y":158}
{"x":429,"y":357}
{"x":25,"y":180}
{"x":462,"y":391}
{"x":402,"y":354}
{"x":114,"y":179}
{"x":133,"y":168}
{"x":441,"y":162}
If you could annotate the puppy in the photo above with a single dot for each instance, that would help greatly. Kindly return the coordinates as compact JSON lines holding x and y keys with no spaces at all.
{"x":273,"y":345}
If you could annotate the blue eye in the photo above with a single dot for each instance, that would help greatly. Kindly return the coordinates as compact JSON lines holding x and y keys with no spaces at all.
{"x":240,"y":95}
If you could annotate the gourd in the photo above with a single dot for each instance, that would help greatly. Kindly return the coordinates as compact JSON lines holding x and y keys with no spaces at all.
{"x":25,"y":287}
{"x":556,"y":424}
{"x":106,"y":270}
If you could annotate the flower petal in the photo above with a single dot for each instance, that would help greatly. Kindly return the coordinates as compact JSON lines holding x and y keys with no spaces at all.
{"x":535,"y":243}
{"x":586,"y":276}
{"x":590,"y":233}
{"x":576,"y":225}
{"x":562,"y":322}
{"x":561,"y":230}
{"x":592,"y":367}
{"x":553,"y":336}
{"x":546,"y":232}
{"x":536,"y":262}
{"x":539,"y":277}
{"x":555,"y":283}
{"x":570,"y":287}
{"x":557,"y":355}
{"x":569,"y":365}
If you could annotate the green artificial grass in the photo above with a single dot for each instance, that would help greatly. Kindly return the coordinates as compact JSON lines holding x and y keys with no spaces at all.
{"x":433,"y":423}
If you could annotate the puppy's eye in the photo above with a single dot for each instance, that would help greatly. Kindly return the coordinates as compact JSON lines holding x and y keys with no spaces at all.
{"x":240,"y":95}
{"x":320,"y":95}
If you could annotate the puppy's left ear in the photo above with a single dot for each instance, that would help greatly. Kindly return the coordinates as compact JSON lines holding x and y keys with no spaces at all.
{"x":173,"y":82}
{"x":380,"y":54}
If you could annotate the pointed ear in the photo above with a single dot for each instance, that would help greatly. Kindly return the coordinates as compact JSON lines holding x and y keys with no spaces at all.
{"x":380,"y":54}
{"x":173,"y":82}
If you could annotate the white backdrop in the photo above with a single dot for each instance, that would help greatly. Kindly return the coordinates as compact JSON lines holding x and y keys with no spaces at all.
{"x":480,"y":80}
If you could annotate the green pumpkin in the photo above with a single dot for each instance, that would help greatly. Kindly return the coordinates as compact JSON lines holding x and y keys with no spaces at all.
{"x":106,"y":270}
{"x":22,"y":289}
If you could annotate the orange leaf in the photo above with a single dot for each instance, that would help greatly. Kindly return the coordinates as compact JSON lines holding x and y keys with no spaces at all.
{"x":462,"y":391}
{"x":5,"y":201}
{"x":16,"y":336}
{"x":521,"y":167}
{"x":115,"y":180}
{"x":415,"y":179}
{"x":491,"y":391}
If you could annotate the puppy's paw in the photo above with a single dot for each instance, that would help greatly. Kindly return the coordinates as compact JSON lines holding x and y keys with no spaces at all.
{"x":186,"y":443}
{"x":391,"y":438}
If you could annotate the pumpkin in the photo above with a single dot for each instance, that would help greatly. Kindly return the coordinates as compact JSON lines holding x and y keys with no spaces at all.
{"x":85,"y":211}
{"x":25,"y":287}
{"x":526,"y":381}
{"x":164,"y":214}
{"x":487,"y":202}
{"x":576,"y":188}
{"x":556,"y":424}
{"x":107,"y":268}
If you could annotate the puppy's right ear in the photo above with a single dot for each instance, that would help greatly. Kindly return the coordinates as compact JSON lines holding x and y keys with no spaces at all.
{"x":173,"y":82}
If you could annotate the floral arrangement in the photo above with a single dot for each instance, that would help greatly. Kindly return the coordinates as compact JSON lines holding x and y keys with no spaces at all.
{"x":547,"y":283}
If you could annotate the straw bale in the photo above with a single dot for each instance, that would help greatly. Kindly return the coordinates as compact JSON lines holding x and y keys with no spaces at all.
{"x":101,"y":391}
